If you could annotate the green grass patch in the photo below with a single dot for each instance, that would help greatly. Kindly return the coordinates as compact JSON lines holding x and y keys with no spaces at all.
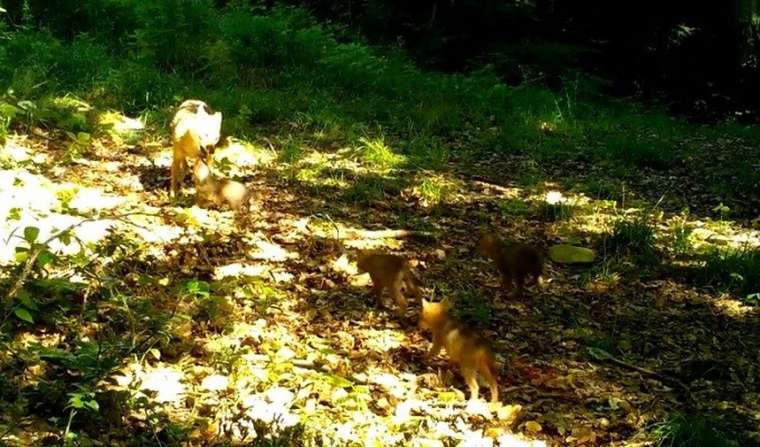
{"x":633,"y":237}
{"x":691,"y":431}
{"x":737,"y":270}
{"x":514,"y":207}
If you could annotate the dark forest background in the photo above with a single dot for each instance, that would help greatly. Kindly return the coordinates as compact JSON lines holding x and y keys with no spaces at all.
{"x":701,"y":58}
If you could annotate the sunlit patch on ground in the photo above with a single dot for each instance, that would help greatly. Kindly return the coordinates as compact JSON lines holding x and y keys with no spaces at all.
{"x":270,"y":251}
{"x":238,"y":157}
{"x":434,"y":189}
{"x":87,"y":199}
{"x":238,"y":270}
{"x":15,"y":153}
{"x":165,"y":382}
{"x":381,"y":340}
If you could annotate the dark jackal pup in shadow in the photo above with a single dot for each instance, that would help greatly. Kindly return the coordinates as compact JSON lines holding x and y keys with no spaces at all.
{"x":518,"y":263}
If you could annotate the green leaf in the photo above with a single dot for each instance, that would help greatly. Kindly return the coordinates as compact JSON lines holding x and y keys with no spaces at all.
{"x":21,"y":255}
{"x":91,"y":404}
{"x":155,"y":353}
{"x":23,"y":314}
{"x":31,"y":233}
{"x":75,"y":401}
{"x":570,"y":254}
{"x":197,"y":288}
{"x":44,"y":258}
{"x":25,"y":298}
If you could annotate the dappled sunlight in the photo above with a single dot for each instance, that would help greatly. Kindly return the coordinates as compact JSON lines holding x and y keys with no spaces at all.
{"x":167,"y":382}
{"x":121,"y":128}
{"x":198,"y":218}
{"x":705,"y":233}
{"x":376,"y":153}
{"x":435,"y":189}
{"x":91,"y":199}
{"x":270,"y":251}
{"x":121,"y":124}
{"x":14,"y":153}
{"x":237,"y":270}
{"x":344,"y":265}
{"x":52,"y":224}
{"x":172,"y":321}
{"x":381,"y":340}
{"x":237,"y":156}
{"x":734,"y":308}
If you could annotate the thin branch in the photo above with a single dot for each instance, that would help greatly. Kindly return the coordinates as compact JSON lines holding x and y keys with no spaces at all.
{"x":29,"y":263}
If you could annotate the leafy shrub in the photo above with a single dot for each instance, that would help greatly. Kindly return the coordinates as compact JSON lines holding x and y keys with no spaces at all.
{"x":171,"y":32}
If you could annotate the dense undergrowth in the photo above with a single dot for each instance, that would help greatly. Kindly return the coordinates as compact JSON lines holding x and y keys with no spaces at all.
{"x":425,"y":145}
{"x":282,"y":67}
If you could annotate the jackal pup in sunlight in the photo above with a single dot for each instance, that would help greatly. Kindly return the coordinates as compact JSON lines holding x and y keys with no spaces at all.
{"x":516,"y":262}
{"x":195,"y":131}
{"x":211,"y":191}
{"x":465,"y":348}
{"x":390,"y":272}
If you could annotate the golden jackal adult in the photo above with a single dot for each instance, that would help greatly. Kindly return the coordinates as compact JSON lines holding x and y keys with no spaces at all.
{"x":195,"y":132}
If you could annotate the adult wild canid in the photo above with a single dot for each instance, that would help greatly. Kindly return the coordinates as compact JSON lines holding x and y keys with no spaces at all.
{"x":195,"y":132}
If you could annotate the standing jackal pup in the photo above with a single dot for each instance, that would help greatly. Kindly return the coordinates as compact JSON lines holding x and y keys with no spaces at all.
{"x":465,"y":348}
{"x":211,"y":191}
{"x":390,"y":272}
{"x":195,"y":130}
{"x":516,"y":262}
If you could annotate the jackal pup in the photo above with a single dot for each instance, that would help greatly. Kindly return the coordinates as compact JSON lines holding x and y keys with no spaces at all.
{"x":195,"y":130}
{"x":390,"y":272}
{"x":516,"y":262}
{"x":465,"y":348}
{"x":211,"y":191}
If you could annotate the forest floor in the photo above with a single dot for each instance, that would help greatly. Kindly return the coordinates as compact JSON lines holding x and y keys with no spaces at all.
{"x":144,"y":321}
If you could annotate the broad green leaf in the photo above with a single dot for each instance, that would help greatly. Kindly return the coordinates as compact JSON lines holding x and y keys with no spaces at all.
{"x":91,"y":404}
{"x":31,"y":233}
{"x":44,"y":258}
{"x":75,"y":401}
{"x":570,"y":254}
{"x":8,"y":110}
{"x":25,"y":298}
{"x":24,"y":314}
